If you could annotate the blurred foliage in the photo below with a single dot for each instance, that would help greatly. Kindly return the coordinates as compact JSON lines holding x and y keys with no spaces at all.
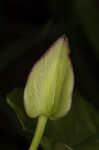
{"x":15,"y":100}
{"x":26,"y":31}
{"x":92,"y":143}
{"x":81,"y":123}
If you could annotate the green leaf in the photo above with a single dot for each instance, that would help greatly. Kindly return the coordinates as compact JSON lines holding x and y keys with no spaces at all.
{"x":15,"y":100}
{"x":50,"y":144}
{"x":92,"y":143}
{"x":50,"y":84}
{"x":81,"y":122}
{"x":77,"y":126}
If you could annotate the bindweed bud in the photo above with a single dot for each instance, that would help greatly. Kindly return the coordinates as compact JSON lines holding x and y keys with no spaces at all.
{"x":49,"y":87}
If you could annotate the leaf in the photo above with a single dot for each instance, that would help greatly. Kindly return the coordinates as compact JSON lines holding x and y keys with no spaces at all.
{"x":81,"y":122}
{"x":49,"y":86}
{"x":15,"y":100}
{"x":49,"y":145}
{"x":92,"y":143}
{"x":77,"y":126}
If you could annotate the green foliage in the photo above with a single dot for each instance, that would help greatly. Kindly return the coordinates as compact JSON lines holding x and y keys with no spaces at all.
{"x":15,"y":100}
{"x":92,"y":143}
{"x":81,"y":122}
{"x":77,"y":126}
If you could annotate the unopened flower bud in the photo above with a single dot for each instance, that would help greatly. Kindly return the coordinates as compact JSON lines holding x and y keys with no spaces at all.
{"x":49,"y":87}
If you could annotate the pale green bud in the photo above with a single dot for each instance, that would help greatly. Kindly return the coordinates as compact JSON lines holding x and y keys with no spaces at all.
{"x":49,"y":87}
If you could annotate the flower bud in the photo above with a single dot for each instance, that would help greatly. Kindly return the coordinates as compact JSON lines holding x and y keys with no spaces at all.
{"x":49,"y":86}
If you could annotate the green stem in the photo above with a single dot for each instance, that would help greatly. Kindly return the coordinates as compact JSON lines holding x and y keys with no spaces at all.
{"x":38,"y":133}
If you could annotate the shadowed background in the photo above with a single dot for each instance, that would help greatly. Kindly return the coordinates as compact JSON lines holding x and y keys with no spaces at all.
{"x":27,"y":28}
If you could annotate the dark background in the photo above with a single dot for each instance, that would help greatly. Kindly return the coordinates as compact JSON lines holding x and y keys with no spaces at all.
{"x":27,"y":28}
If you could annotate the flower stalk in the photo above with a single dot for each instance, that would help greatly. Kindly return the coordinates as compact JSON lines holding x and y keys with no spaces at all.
{"x":42,"y":120}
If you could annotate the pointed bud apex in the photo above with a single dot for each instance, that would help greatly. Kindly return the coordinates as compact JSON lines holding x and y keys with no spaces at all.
{"x":50,"y":84}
